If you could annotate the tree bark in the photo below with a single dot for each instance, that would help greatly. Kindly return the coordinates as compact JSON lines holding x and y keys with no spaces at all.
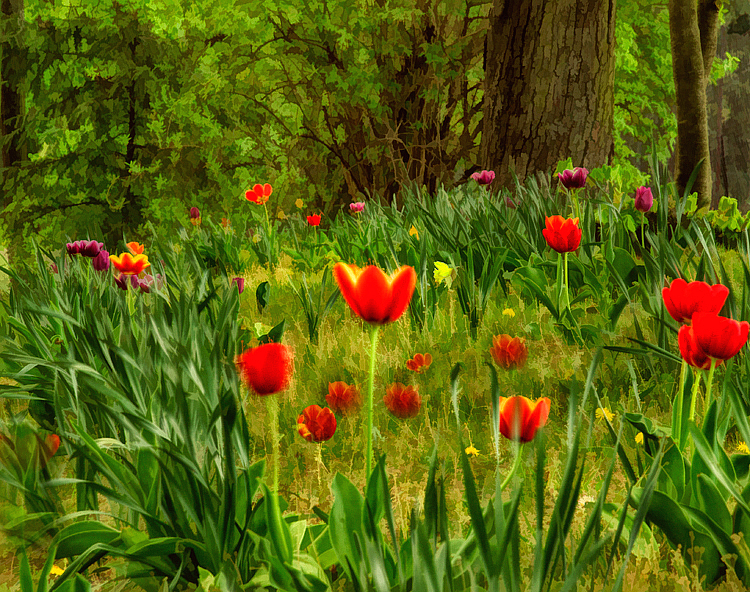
{"x":11,"y":100}
{"x":549,"y":86}
{"x":693,"y":30}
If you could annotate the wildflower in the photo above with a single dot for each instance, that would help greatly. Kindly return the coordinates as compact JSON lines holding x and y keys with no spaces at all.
{"x":266,"y":369}
{"x":316,"y":424}
{"x":443,"y":272}
{"x":314,"y":220}
{"x":711,"y":337}
{"x":356,"y":207}
{"x":259,"y":194}
{"x":101,"y":261}
{"x":299,"y":203}
{"x":639,"y":438}
{"x":343,"y":398}
{"x":509,"y":312}
{"x":195,"y":216}
{"x":484,"y":178}
{"x":56,"y":570}
{"x":509,"y":352}
{"x":574,"y":179}
{"x":225,"y":223}
{"x":520,"y":417}
{"x":683,"y":299}
{"x":471,"y":451}
{"x":402,"y":401}
{"x":413,"y":231}
{"x":644,"y":199}
{"x":562,"y":234}
{"x":374,"y":296}
{"x":129,"y":264}
{"x":419,"y":362}
{"x":240,"y":283}
{"x":602,"y":412}
{"x":742,"y":448}
{"x":281,"y":215}
{"x":135,"y":248}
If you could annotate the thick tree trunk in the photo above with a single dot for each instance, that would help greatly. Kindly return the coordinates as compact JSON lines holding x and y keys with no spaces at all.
{"x":693,"y":30}
{"x":549,"y":85}
{"x":11,"y":101}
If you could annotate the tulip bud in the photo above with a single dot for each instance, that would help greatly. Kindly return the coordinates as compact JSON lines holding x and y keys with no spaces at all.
{"x":101,"y":261}
{"x":240,"y":282}
{"x":644,"y":199}
{"x":195,"y":216}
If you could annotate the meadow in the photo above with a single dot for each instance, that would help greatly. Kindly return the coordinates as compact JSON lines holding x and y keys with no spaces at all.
{"x":153,"y":436}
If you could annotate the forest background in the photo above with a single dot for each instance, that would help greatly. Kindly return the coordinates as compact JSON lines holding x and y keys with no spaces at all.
{"x":136,"y":111}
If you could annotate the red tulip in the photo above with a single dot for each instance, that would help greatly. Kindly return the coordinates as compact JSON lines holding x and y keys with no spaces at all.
{"x":402,"y":401}
{"x":562,"y":234}
{"x":419,"y":362}
{"x":374,"y":296}
{"x":343,"y":398}
{"x":259,"y":194}
{"x":509,"y":352}
{"x":314,"y":220}
{"x":711,"y":337}
{"x":266,"y":369}
{"x":316,"y":424}
{"x":520,"y":417}
{"x":683,"y":299}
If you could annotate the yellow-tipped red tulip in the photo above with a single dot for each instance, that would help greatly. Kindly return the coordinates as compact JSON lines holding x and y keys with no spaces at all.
{"x":128,"y":264}
{"x":374,"y":296}
{"x":520,"y":417}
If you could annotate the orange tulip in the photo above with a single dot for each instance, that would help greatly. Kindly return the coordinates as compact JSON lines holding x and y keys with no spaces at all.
{"x":562,"y":234}
{"x":402,"y":401}
{"x":135,"y":248}
{"x":128,"y":264}
{"x":419,"y":362}
{"x":316,"y":424}
{"x":509,"y":352}
{"x":520,"y":417}
{"x":343,"y":398}
{"x":374,"y":296}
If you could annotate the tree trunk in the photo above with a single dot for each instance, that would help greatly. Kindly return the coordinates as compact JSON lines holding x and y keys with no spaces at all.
{"x":549,"y":86}
{"x":693,"y":30}
{"x":11,"y":101}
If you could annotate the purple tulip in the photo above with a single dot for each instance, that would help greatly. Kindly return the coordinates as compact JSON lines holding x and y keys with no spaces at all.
{"x":91,"y":248}
{"x":575,"y":179}
{"x":53,"y":267}
{"x":240,"y":283}
{"x":122,"y":281}
{"x":73,"y":248}
{"x":357,"y":207}
{"x":101,"y":261}
{"x":484,"y":178}
{"x":195,"y":216}
{"x":644,"y":199}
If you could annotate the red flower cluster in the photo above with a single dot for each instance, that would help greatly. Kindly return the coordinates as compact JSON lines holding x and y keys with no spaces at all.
{"x":520,"y":417}
{"x":266,"y":369}
{"x":682,"y":299}
{"x":316,"y":424}
{"x":562,"y":234}
{"x":509,"y":352}
{"x":402,"y":401}
{"x":419,"y":362}
{"x":343,"y":398}
{"x":374,"y":296}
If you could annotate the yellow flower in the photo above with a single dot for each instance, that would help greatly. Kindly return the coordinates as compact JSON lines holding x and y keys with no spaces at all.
{"x":471,"y":451}
{"x":413,"y":231}
{"x":603,"y":412}
{"x":742,"y":448}
{"x":639,"y":438}
{"x":443,"y":272}
{"x":281,"y":215}
{"x":56,"y":571}
{"x":509,"y":312}
{"x":299,"y":203}
{"x":256,"y":238}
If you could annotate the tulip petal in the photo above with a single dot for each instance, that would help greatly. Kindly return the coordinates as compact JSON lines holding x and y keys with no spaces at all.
{"x":402,"y":289}
{"x":346,"y":277}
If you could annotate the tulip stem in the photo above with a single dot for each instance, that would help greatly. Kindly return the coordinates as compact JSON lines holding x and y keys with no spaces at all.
{"x":709,"y":382}
{"x":643,"y":225}
{"x":514,"y":468}
{"x":567,"y":289}
{"x":370,"y":388}
{"x":694,"y":394}
{"x":273,"y":415}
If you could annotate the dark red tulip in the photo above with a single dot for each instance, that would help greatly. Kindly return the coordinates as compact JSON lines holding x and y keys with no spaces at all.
{"x":509,"y":352}
{"x":343,"y":398}
{"x":574,"y":179}
{"x":683,"y":299}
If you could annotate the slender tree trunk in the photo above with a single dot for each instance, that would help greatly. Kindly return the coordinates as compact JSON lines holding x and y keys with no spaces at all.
{"x":693,"y":29}
{"x":549,"y":85}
